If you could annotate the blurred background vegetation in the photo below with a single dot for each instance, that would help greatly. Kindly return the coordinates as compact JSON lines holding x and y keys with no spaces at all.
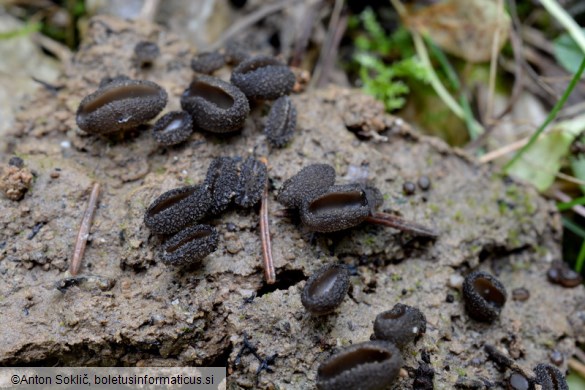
{"x":498,"y":78}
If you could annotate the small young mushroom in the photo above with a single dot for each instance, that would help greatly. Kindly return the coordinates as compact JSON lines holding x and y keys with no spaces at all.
{"x":176,"y":209}
{"x":263,"y":77}
{"x":325,"y":289}
{"x":341,"y":207}
{"x":281,"y":122}
{"x":207,"y":62}
{"x":400,"y":325}
{"x":120,"y":105}
{"x":221,"y":182}
{"x":372,"y":365}
{"x":190,"y":245}
{"x":145,"y":53}
{"x":484,"y":296}
{"x":310,"y":182}
{"x":173,"y":128}
{"x":215,"y":105}
{"x":253,"y":176}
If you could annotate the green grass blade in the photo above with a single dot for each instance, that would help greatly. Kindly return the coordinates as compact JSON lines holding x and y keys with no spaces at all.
{"x":551,"y":116}
{"x":580,"y":259}
{"x":564,"y":206}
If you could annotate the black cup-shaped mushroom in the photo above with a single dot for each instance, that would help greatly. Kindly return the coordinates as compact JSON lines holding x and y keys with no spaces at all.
{"x":207,"y":62}
{"x":372,"y":365}
{"x":400,"y":325}
{"x":145,"y":53}
{"x":310,"y":182}
{"x":120,"y":105}
{"x":550,"y":377}
{"x":325,"y":289}
{"x":177,"y":208}
{"x":341,"y":207}
{"x":234,"y":53}
{"x":263,"y":77}
{"x":484,"y":296}
{"x":253,"y":177}
{"x":281,"y":122}
{"x":215,"y":105}
{"x":173,"y":128}
{"x":190,"y":245}
{"x":221,"y":182}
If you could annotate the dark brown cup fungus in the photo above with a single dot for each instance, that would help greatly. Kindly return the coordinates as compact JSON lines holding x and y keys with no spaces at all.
{"x":372,"y":365}
{"x":311,"y":181}
{"x":550,"y":377}
{"x":145,"y":53}
{"x":341,"y":207}
{"x":120,"y":105}
{"x":176,"y":209}
{"x":221,"y":182}
{"x":253,"y":176}
{"x":401,"y":325}
{"x":281,"y":122}
{"x":234,"y":53}
{"x":207,"y":63}
{"x":325,"y":289}
{"x":215,"y":105}
{"x":484,"y":296}
{"x":190,"y":245}
{"x":263,"y":77}
{"x":173,"y":128}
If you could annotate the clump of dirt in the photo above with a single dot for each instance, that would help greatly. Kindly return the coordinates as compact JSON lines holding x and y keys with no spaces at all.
{"x":127,"y":308}
{"x":15,"y":181}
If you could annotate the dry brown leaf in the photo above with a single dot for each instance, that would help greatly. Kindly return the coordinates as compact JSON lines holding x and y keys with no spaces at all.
{"x":464,"y":28}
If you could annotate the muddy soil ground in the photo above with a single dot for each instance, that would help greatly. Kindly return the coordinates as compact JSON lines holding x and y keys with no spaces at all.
{"x":129,"y":309}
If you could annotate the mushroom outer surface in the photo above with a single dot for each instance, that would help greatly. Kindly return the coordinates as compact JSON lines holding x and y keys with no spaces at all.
{"x":120,"y":105}
{"x":310,"y":182}
{"x":484,"y":296}
{"x":325,"y":289}
{"x":263,"y":77}
{"x":215,"y":105}
{"x":340,"y":208}
{"x":173,"y":128}
{"x":281,"y":122}
{"x":190,"y":245}
{"x":372,"y":365}
{"x":400,"y":325}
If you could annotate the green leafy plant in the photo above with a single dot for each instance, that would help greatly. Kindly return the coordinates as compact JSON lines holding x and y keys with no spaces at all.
{"x":384,"y":61}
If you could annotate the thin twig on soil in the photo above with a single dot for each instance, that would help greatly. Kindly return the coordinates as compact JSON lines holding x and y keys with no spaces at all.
{"x":301,"y":43}
{"x":396,"y":222}
{"x":83,"y":233}
{"x":269,"y":273}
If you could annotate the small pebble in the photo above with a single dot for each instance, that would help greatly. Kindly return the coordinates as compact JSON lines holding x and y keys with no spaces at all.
{"x":408,"y":188}
{"x":556,"y":358}
{"x":560,"y":273}
{"x":424,"y":183}
{"x":520,"y":294}
{"x":16,"y":161}
{"x":450,"y":298}
{"x":55,"y":175}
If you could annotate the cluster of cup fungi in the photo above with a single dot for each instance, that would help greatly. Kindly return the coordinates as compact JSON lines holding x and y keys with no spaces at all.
{"x":217,"y":106}
{"x":208,"y":103}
